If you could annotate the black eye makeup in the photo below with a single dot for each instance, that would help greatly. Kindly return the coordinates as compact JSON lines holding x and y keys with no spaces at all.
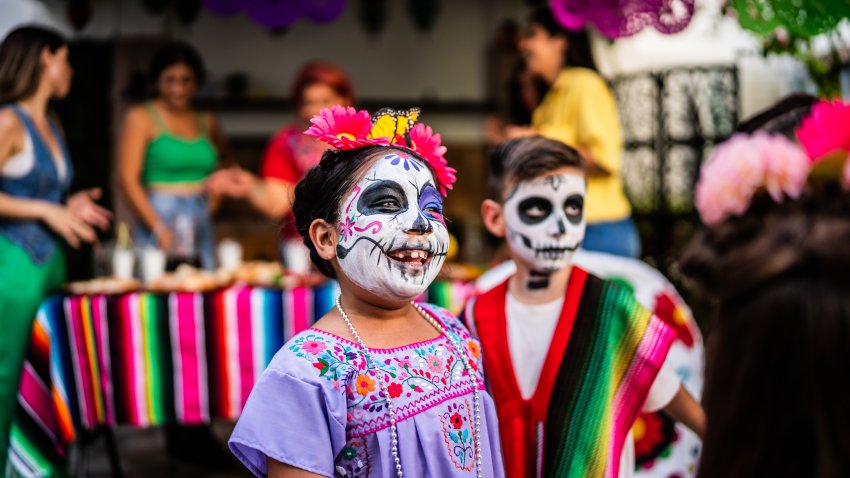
{"x":382,"y":197}
{"x":534,"y":210}
{"x":574,"y":208}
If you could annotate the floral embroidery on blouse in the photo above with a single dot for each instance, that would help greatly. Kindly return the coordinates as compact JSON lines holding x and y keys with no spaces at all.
{"x":353,"y":460}
{"x":456,"y":419}
{"x":410,"y":373}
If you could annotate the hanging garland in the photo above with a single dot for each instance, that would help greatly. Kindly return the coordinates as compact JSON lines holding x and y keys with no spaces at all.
{"x":623,"y":18}
{"x":279,"y":14}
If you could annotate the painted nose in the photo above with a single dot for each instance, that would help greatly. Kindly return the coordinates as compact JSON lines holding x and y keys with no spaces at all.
{"x":421,"y":225}
{"x":558,"y":226}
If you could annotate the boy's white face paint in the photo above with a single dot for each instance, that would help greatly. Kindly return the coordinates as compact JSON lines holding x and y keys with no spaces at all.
{"x":393,"y":238}
{"x":545,"y":220}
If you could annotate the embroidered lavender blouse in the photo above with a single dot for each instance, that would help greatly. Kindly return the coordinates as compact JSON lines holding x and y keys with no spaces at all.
{"x":318,"y":408}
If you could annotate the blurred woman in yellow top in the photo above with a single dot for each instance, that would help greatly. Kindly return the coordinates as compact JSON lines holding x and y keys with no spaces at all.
{"x":579,"y":109}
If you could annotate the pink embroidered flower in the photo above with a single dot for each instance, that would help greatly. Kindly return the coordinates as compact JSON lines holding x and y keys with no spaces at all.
{"x":742,"y":166}
{"x":343,"y":128}
{"x":434,"y":363}
{"x":825,"y":130}
{"x":314,"y":347}
{"x":394,"y":389}
{"x":429,"y":145}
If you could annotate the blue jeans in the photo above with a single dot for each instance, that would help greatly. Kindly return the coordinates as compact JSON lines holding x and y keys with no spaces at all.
{"x":193,"y":209}
{"x":619,"y":238}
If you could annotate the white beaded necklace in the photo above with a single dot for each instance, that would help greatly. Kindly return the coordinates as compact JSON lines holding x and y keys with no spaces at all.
{"x":391,"y":411}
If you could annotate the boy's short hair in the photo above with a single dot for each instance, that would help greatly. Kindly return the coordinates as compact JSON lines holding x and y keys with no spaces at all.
{"x":523,"y":159}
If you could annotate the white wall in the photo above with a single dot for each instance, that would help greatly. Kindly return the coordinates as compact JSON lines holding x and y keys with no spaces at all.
{"x":401,"y":63}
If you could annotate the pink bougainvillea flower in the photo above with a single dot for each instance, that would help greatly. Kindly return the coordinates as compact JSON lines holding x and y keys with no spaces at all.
{"x":787,"y":168}
{"x":826,"y":129}
{"x":344,"y":128}
{"x":744,"y":165}
{"x":430,"y":146}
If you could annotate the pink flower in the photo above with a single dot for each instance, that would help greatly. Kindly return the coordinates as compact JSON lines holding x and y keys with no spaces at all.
{"x":744,"y":165}
{"x":787,"y":168}
{"x":429,"y":145}
{"x":434,"y":363}
{"x":343,"y":128}
{"x":345,"y":228}
{"x":825,"y":130}
{"x":314,"y":347}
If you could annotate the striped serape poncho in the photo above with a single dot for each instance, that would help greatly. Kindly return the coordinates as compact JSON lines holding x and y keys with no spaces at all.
{"x":604,"y":356}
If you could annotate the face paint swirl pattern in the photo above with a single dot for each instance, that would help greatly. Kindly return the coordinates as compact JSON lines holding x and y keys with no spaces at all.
{"x":393,"y":237}
{"x":545,"y":220}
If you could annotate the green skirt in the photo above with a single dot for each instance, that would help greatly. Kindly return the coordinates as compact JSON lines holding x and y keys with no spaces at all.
{"x":23,"y":286}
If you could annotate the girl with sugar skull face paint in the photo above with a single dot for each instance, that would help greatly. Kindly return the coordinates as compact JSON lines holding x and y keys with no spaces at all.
{"x":382,"y":386}
{"x":392,"y":235}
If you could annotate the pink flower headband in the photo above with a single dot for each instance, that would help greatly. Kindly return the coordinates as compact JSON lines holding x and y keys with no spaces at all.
{"x":745,"y":165}
{"x":345,"y":128}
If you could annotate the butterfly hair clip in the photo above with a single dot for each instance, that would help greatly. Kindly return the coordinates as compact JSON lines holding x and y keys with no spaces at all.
{"x":345,"y":128}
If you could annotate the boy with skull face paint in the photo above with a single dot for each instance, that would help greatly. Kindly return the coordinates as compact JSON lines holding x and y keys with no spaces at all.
{"x":571,"y":359}
{"x":380,"y":386}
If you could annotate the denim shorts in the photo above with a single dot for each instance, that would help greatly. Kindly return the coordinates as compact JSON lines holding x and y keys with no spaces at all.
{"x":619,"y":238}
{"x":189,"y":209}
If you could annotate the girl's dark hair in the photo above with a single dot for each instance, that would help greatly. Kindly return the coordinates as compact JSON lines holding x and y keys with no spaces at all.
{"x":20,"y":60}
{"x":784,"y":117}
{"x":177,"y":53}
{"x":579,"y":53}
{"x":522,"y":159}
{"x":318,"y":194}
{"x":778,"y":359}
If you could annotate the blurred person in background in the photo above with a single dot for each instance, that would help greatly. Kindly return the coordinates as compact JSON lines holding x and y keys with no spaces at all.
{"x":167,"y":150}
{"x":289,"y":154}
{"x":37,"y":216}
{"x":579,"y":109}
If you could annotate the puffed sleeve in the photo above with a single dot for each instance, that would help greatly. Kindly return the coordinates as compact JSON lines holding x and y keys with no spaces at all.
{"x":294,"y":420}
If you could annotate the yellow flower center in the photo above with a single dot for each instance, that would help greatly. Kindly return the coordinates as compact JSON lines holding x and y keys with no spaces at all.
{"x":345,"y":135}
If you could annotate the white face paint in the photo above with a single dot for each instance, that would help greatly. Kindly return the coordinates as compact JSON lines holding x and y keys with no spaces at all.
{"x":545,"y":220}
{"x":393,"y":238}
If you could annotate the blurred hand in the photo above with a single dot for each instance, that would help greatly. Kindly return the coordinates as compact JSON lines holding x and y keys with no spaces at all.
{"x":84,"y":207}
{"x":514,"y":131}
{"x":233,"y":182}
{"x":164,"y":238}
{"x":65,"y":223}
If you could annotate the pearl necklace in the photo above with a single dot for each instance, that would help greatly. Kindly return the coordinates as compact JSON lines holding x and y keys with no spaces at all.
{"x":391,"y":410}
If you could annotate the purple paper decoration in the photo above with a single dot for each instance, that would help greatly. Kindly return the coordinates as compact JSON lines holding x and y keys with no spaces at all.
{"x":622,"y":18}
{"x":277,"y":14}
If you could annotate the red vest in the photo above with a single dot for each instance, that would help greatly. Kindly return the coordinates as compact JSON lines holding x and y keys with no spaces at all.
{"x":520,"y":420}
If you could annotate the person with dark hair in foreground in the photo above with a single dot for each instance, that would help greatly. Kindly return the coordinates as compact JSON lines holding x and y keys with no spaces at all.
{"x":36,"y":215}
{"x":775,"y":255}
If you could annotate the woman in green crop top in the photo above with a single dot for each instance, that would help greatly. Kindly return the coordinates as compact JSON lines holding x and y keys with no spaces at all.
{"x":167,"y":151}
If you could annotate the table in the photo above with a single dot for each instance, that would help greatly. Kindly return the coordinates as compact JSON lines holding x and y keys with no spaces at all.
{"x":147,"y":359}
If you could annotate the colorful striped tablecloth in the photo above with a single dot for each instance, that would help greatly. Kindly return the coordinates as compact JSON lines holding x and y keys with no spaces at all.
{"x":146,"y":359}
